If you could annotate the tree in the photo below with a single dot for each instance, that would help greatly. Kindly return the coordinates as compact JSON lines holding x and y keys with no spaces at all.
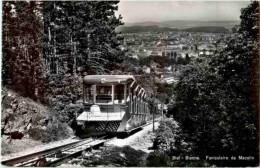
{"x":214,"y":103}
{"x":8,"y":41}
{"x":187,"y":58}
{"x":83,"y":34}
{"x":23,"y":69}
{"x":175,"y":55}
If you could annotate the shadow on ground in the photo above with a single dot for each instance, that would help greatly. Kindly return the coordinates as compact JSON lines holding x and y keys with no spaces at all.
{"x":113,"y":156}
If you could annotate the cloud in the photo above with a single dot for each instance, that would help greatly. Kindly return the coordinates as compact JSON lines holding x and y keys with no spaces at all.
{"x":140,"y":11}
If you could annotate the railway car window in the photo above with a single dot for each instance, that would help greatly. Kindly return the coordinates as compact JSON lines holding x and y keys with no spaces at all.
{"x":136,"y":104}
{"x":119,"y":94}
{"x":133,"y":104}
{"x":89,"y":94}
{"x":104,"y":94}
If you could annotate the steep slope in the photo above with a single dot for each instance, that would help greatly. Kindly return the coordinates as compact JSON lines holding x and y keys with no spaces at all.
{"x":24,"y":118}
{"x":19,"y":115}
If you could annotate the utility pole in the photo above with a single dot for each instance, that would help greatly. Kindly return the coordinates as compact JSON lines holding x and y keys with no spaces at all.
{"x":162,"y":105}
{"x":153,"y":99}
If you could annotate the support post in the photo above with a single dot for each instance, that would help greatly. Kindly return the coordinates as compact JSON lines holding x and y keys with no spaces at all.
{"x":125,"y":92}
{"x":84,"y":94}
{"x":94,"y":93}
{"x":113,"y":93}
{"x":162,"y":109}
{"x":153,"y":99}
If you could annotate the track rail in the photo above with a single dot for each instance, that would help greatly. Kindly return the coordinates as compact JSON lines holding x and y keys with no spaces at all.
{"x":56,"y":155}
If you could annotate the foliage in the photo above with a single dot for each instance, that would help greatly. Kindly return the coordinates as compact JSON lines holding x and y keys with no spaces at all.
{"x":79,"y":37}
{"x":214,"y":105}
{"x":82,"y":35}
{"x":55,"y":131}
{"x":145,"y":61}
{"x":163,"y":61}
{"x":64,"y":97}
{"x":170,"y":142}
{"x":68,"y":37}
{"x":23,"y":69}
{"x":164,"y":92}
{"x":166,"y":136}
{"x":114,"y":156}
{"x":128,"y":66}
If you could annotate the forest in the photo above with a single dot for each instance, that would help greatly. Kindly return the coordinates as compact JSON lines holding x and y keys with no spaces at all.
{"x":45,"y":38}
{"x":47,"y":49}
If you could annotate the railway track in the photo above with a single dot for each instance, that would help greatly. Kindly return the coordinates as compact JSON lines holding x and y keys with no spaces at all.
{"x":57,"y":155}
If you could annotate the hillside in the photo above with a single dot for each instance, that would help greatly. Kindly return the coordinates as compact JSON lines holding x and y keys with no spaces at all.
{"x":26,"y":123}
{"x":139,"y":29}
{"x":19,"y":115}
{"x":181,"y":24}
{"x":207,"y":29}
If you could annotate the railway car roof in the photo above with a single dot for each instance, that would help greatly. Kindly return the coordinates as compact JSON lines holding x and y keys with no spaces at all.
{"x":108,"y":79}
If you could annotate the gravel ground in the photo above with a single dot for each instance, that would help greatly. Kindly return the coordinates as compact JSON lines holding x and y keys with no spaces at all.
{"x":37,"y":148}
{"x":141,"y":140}
{"x":128,"y":152}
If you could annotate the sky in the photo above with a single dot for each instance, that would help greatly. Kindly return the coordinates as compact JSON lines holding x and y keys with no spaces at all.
{"x":156,"y":11}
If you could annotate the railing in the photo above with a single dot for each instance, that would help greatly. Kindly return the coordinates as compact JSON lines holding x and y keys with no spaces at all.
{"x":108,"y":109}
{"x":113,"y":108}
{"x":104,"y":98}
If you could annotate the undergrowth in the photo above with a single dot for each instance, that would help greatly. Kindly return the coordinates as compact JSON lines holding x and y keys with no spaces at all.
{"x":171,"y":142}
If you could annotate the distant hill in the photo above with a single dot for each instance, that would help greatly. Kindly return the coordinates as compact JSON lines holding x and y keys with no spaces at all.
{"x":181,"y":24}
{"x":207,"y":29}
{"x":139,"y":29}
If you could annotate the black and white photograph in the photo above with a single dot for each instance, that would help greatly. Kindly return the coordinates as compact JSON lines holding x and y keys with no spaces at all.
{"x":130,"y":83}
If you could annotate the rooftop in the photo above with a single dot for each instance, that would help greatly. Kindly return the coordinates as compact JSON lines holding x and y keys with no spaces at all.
{"x":111,"y":79}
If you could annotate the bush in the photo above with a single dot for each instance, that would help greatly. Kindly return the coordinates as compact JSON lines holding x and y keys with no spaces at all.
{"x":166,"y":135}
{"x":157,"y":160}
{"x":170,"y":141}
{"x":125,"y":156}
{"x":36,"y":134}
{"x":57,"y":131}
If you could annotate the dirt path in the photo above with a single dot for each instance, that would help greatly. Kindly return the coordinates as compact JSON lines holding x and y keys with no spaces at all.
{"x":141,"y":140}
